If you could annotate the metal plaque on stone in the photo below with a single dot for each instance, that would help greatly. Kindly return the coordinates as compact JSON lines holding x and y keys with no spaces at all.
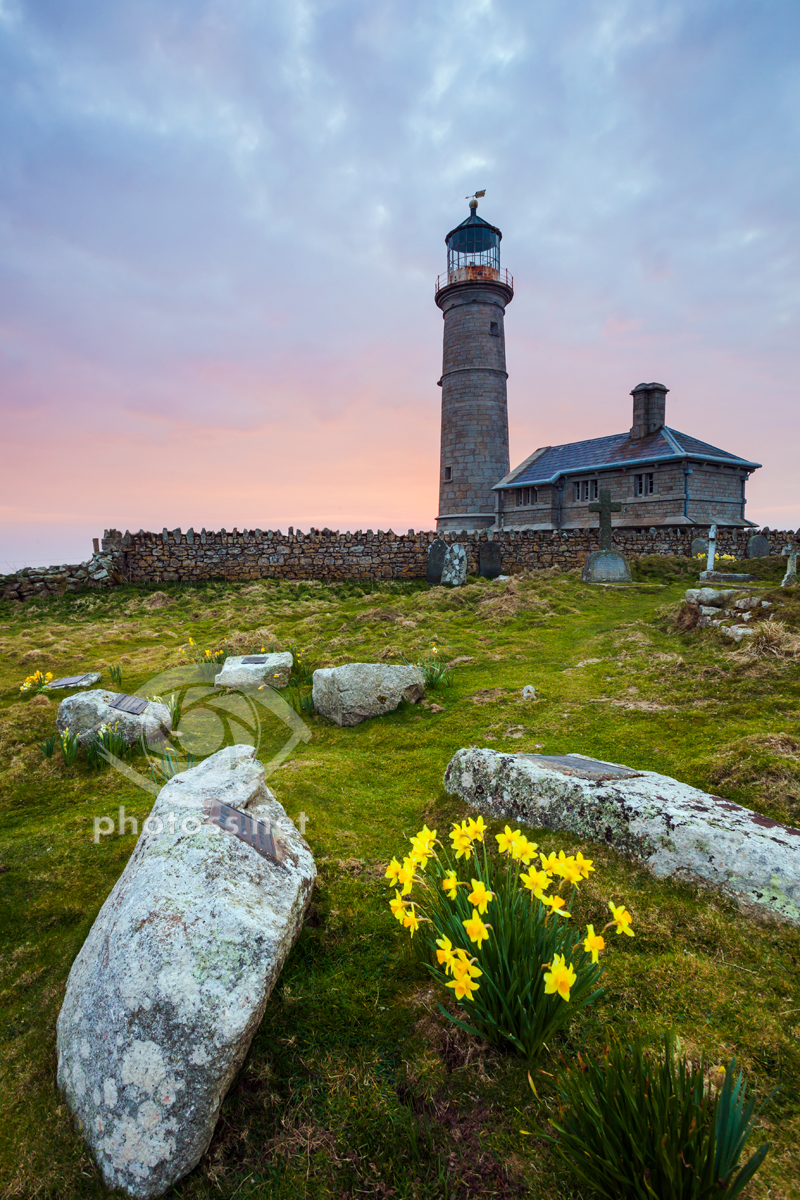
{"x":255,"y":659}
{"x":257,"y":834}
{"x":68,"y":681}
{"x":436,"y":553}
{"x":583,"y":768}
{"x":490,"y":563}
{"x":129,"y":704}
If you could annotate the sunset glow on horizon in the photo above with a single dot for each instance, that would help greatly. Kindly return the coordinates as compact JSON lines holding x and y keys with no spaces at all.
{"x":221,"y":225}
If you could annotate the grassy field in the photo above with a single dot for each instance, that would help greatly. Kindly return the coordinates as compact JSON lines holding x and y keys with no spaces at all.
{"x":356,"y":1084}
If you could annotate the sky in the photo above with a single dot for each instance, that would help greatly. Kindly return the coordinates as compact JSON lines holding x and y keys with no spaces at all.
{"x":221,"y":223}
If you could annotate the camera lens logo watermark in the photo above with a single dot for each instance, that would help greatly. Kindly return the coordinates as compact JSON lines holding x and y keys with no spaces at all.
{"x":204,"y":719}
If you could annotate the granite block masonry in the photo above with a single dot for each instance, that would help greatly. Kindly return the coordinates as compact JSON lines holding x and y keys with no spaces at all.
{"x":165,"y":995}
{"x":326,"y":555}
{"x":676,"y":830}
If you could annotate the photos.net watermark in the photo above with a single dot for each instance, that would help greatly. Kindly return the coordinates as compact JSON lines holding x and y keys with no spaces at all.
{"x":204,"y":719}
{"x":171,"y":823}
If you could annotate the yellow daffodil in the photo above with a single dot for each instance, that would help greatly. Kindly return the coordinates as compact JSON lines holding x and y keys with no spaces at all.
{"x":405,"y":876}
{"x":410,"y":920}
{"x":549,"y":862}
{"x":398,"y":906}
{"x":462,"y":842}
{"x":463,"y":964}
{"x":621,"y":918}
{"x":568,"y":869}
{"x":505,"y":840}
{"x":593,"y":943}
{"x":393,"y":870}
{"x":476,"y":930}
{"x":556,"y":903}
{"x":450,"y":884}
{"x":444,"y":955}
{"x":463,"y":987}
{"x":476,"y":829}
{"x":523,"y":850}
{"x":535,"y":881}
{"x":584,"y":865}
{"x":480,"y":896}
{"x":559,"y":978}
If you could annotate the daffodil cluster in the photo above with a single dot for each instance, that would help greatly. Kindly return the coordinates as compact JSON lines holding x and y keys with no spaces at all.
{"x":502,"y":937}
{"x":36,"y":682}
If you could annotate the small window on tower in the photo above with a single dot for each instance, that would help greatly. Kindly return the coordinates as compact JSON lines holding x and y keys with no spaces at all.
{"x":494,"y":329}
{"x":448,"y":474}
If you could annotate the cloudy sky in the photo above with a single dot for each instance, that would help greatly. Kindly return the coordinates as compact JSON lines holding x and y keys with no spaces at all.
{"x":221,"y":222}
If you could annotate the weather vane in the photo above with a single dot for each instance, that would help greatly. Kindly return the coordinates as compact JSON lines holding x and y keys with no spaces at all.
{"x":476,"y":195}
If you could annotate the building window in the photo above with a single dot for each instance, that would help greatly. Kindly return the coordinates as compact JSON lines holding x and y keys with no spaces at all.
{"x":448,"y":474}
{"x":526,"y":497}
{"x":585,"y":489}
{"x":644,"y":485}
{"x":494,"y":329}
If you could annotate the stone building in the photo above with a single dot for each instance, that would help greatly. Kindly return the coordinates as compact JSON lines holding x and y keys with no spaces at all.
{"x":660,"y":476}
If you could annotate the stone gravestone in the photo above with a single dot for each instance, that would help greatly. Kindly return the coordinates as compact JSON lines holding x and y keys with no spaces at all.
{"x":699,"y":546}
{"x":605,"y":565}
{"x":164,"y":998}
{"x":790,"y":578}
{"x":712,"y":548}
{"x":454,"y":571}
{"x":489,"y":560}
{"x":436,"y":553}
{"x":758,"y":546}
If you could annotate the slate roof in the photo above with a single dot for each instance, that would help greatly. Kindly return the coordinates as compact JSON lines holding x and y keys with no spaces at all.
{"x":619,"y":449}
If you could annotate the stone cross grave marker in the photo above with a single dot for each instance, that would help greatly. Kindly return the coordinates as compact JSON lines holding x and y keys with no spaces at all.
{"x":490,"y":563}
{"x":790,"y":578}
{"x":712,"y":548}
{"x":605,"y":506}
{"x":436,"y":553}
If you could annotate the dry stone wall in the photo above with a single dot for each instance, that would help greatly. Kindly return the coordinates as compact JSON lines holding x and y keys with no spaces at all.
{"x":174,"y":556}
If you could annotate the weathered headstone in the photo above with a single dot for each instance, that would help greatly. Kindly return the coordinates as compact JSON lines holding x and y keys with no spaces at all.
{"x":436,"y":553}
{"x":252,"y":670}
{"x":454,"y":570}
{"x":605,"y":565}
{"x":170,"y":986}
{"x":758,"y":546}
{"x":674,"y":829}
{"x":490,"y":561}
{"x":699,"y":546}
{"x":354,"y":692}
{"x":790,"y":578}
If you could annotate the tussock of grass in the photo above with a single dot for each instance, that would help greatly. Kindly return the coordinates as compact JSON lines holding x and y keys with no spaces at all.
{"x":356,"y":1084}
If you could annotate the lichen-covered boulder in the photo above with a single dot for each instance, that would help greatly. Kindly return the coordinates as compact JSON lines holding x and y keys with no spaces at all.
{"x":84,"y":713}
{"x":676,"y":830}
{"x":169,"y":988}
{"x":272,"y":669}
{"x":357,"y":691}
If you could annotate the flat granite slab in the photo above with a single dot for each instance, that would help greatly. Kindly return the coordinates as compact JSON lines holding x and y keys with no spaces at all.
{"x":675,"y":829}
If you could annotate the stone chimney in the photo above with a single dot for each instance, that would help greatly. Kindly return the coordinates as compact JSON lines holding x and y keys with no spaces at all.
{"x":649,"y":409}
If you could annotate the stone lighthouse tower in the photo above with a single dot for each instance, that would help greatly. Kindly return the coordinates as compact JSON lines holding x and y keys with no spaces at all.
{"x":474,"y":451}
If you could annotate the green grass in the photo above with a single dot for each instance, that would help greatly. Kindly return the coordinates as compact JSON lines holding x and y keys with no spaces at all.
{"x":356,"y":1084}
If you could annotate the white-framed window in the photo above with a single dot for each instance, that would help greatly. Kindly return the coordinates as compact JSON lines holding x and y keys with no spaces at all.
{"x":644,"y":484}
{"x":585,"y":490}
{"x":525,"y":497}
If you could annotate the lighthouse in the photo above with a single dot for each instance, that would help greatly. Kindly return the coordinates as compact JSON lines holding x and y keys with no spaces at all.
{"x":473,"y":294}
